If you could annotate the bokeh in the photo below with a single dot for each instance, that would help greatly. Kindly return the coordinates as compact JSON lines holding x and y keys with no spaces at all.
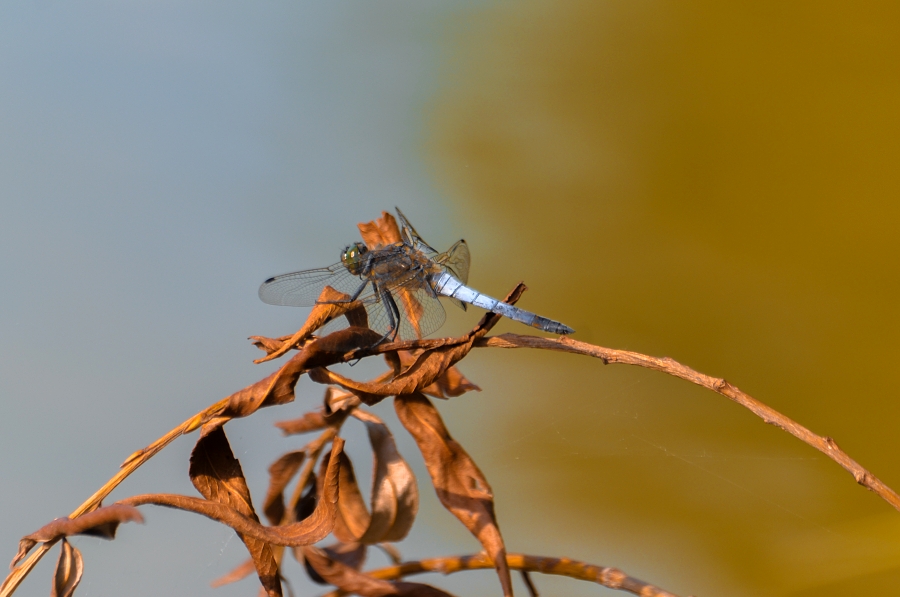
{"x":712,"y":182}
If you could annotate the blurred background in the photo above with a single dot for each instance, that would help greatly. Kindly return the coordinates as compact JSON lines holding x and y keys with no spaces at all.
{"x":714,"y":182}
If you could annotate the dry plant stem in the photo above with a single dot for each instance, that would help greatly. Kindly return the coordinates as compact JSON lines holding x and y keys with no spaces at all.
{"x":825,"y":444}
{"x":608,"y":577}
{"x":129,"y":466}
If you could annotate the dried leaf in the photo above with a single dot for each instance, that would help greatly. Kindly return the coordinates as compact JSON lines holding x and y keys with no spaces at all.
{"x":381,"y":232}
{"x":395,"y":494}
{"x":102,"y":522}
{"x":450,"y":384}
{"x":352,"y":581}
{"x":338,"y":405}
{"x":426,"y":368}
{"x":330,"y":304}
{"x":280,"y":474}
{"x":460,"y":485}
{"x":69,"y":568}
{"x":239,"y":572}
{"x":311,"y":421}
{"x":306,"y":532}
{"x":269,"y":345}
{"x":217,"y":475}
{"x":349,"y":554}
{"x":353,"y":518}
{"x":278,"y":388}
{"x":309,"y":498}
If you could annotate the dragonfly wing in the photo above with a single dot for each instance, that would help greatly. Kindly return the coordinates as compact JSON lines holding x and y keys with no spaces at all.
{"x":412,"y":237}
{"x":301,"y":289}
{"x":456,"y":261}
{"x":420,"y":313}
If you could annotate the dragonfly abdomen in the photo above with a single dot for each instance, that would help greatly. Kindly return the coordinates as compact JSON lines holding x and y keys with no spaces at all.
{"x":447,"y":285}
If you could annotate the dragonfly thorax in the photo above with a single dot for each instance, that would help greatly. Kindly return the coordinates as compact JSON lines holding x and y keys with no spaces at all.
{"x":352,"y":257}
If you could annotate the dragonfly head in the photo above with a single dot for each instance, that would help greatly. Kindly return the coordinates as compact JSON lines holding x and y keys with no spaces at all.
{"x":352,"y":257}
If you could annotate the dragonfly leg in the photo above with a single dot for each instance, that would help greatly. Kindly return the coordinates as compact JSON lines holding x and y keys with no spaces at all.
{"x":393,"y":313}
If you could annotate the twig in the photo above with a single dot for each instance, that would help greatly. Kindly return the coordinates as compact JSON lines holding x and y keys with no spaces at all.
{"x":823,"y":444}
{"x":131,"y":464}
{"x":612,"y":578}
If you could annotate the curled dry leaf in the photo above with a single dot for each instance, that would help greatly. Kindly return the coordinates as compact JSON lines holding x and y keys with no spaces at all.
{"x":217,"y":475}
{"x":424,"y":371}
{"x":239,"y":572}
{"x":338,"y":405}
{"x":349,"y":554}
{"x":330,"y":305}
{"x":280,"y":474}
{"x":381,"y":232}
{"x":102,"y":522}
{"x":450,"y":384}
{"x":269,"y":345}
{"x":278,"y":388}
{"x":69,"y":568}
{"x":395,"y":494}
{"x":426,"y":368}
{"x":460,"y":485}
{"x":306,"y":532}
{"x":349,"y":580}
{"x":311,"y":421}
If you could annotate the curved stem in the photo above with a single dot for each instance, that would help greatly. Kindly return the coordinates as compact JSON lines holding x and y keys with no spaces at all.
{"x":823,"y":444}
{"x":612,"y":578}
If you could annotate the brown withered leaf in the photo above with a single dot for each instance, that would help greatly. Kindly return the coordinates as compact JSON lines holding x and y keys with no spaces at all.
{"x":349,"y":554}
{"x":460,"y":485}
{"x":278,"y":388}
{"x":450,"y":384}
{"x":330,"y":305}
{"x":427,"y":367}
{"x":69,"y":568}
{"x":269,"y":345}
{"x":217,"y":475}
{"x":280,"y":474}
{"x":381,"y":232}
{"x":347,"y":579}
{"x":353,"y":517}
{"x":239,"y":572}
{"x":338,"y":405}
{"x":311,"y":421}
{"x":306,"y":532}
{"x":395,"y":494}
{"x":102,"y":523}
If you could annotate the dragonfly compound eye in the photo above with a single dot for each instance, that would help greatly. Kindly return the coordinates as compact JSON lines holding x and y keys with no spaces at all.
{"x":352,"y":256}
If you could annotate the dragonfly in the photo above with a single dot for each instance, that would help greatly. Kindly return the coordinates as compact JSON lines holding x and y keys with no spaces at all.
{"x":399,"y":285}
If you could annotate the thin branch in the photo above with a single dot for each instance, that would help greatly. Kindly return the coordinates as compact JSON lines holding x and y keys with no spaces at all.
{"x":823,"y":444}
{"x":612,"y":578}
{"x":131,"y":464}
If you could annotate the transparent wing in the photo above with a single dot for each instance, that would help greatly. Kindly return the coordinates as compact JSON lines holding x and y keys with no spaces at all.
{"x":391,"y":277}
{"x":409,"y":234}
{"x":301,"y":289}
{"x":420,"y":315}
{"x":456,"y":261}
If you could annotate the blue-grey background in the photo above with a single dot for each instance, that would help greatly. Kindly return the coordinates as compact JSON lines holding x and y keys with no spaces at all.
{"x":715,"y":182}
{"x":159,"y":160}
